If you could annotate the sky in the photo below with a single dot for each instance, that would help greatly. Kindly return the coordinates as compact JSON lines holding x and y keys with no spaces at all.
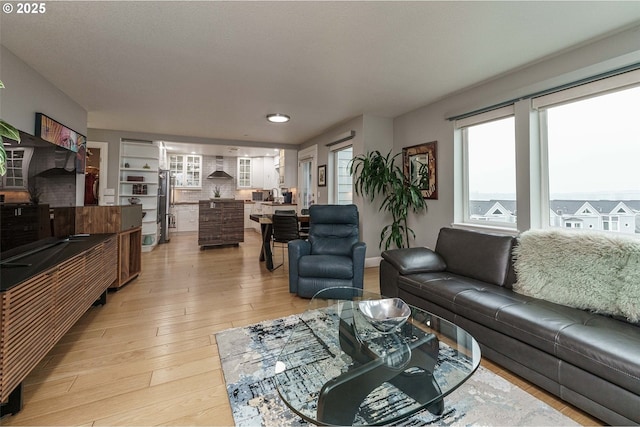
{"x":594,"y":151}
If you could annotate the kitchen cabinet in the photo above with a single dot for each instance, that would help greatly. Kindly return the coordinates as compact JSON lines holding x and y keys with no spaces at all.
{"x":245,"y":165}
{"x":186,"y":217}
{"x":220,"y":222}
{"x":270,"y":174}
{"x":287,"y":169}
{"x":247,"y":215}
{"x":257,"y":172}
{"x":138,"y":175}
{"x":186,"y":169}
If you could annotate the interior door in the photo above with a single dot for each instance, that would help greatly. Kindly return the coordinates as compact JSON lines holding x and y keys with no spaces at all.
{"x":307,"y":185}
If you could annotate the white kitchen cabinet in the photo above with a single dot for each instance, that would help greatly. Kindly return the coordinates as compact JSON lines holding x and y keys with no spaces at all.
{"x":186,"y":217}
{"x":257,"y":172}
{"x":271,"y":177}
{"x":247,"y":215}
{"x":245,"y":165}
{"x":288,"y":169}
{"x":186,"y":169}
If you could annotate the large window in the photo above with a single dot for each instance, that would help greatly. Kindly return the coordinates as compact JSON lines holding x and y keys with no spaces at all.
{"x":490,"y":169}
{"x":343,"y":182}
{"x":593,"y":148}
{"x":566,"y":158}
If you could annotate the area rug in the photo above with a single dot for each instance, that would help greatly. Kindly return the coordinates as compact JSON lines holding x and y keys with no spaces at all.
{"x":249,"y":354}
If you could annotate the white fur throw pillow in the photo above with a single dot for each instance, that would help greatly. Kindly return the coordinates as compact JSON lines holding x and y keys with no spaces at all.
{"x":587,"y":270}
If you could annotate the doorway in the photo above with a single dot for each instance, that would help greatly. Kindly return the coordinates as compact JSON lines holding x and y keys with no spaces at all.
{"x":307,"y":185}
{"x":95,"y":178}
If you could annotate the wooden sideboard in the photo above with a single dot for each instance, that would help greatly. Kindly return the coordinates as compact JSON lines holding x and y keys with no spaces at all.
{"x":44,"y":293}
{"x":125,"y":220}
{"x":220,"y":222}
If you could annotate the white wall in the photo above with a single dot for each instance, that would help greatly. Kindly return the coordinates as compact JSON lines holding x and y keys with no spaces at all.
{"x":372,"y":133}
{"x":430,"y":122}
{"x":26,"y":92}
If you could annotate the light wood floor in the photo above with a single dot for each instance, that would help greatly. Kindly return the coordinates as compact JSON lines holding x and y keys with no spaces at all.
{"x":149,"y":357}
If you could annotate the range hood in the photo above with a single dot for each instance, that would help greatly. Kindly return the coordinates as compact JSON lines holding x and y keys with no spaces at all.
{"x":60,"y":162}
{"x":219,"y":172}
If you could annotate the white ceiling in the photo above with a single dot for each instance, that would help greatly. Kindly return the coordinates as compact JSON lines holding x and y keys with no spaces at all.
{"x":215,"y":69}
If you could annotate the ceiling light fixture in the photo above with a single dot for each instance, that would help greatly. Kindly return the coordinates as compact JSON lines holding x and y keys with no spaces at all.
{"x":278,"y":118}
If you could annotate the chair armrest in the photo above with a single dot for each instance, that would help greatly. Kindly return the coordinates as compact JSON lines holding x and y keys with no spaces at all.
{"x":297,"y":249}
{"x":414,"y":260}
{"x":358,"y":252}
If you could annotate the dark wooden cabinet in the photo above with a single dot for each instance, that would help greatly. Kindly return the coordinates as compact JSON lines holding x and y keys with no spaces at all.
{"x":220,"y":222}
{"x":35,"y":313}
{"x":124,"y":220}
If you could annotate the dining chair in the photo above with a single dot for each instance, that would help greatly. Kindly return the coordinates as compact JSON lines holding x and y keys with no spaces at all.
{"x":284,"y":229}
{"x":304,"y":227}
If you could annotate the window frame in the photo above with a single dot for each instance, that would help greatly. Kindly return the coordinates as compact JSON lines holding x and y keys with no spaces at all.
{"x":532,"y":167}
{"x":463,"y":212}
{"x":335,"y":170}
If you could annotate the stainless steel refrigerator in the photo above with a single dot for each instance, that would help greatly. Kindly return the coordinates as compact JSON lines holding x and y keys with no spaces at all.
{"x":164,"y":203}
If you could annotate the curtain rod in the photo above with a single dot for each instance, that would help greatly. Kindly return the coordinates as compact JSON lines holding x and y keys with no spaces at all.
{"x":586,"y":80}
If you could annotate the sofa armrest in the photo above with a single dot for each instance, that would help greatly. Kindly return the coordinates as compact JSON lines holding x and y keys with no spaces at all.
{"x":414,"y":260}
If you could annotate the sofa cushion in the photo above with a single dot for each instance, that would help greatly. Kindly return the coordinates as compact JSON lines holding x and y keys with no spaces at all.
{"x":481,"y":256}
{"x":441,"y":288}
{"x":326,"y":266}
{"x":605,"y":347}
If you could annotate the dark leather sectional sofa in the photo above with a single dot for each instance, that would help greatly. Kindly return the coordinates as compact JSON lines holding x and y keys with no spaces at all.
{"x":589,"y":360}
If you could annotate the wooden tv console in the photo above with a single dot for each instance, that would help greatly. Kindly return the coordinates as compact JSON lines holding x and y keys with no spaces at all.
{"x":45,"y":291}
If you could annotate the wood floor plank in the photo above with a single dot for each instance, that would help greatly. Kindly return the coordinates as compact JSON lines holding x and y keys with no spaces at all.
{"x":149,"y":356}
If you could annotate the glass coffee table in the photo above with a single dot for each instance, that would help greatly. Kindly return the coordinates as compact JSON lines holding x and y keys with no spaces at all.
{"x":337,"y":368}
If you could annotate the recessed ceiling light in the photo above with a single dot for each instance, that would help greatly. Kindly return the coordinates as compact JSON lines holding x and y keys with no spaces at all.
{"x":278,"y":118}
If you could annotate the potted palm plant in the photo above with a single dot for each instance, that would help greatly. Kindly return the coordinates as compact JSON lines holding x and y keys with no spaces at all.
{"x":378,"y":176}
{"x":6,"y":131}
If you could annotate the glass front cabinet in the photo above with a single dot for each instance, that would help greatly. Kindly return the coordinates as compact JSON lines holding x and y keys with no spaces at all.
{"x":187,"y":170}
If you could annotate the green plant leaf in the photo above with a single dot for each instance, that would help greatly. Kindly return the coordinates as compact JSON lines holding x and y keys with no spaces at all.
{"x":8,"y":131}
{"x":378,"y":177}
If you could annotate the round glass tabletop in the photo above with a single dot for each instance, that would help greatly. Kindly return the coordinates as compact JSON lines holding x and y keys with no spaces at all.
{"x":346,"y":364}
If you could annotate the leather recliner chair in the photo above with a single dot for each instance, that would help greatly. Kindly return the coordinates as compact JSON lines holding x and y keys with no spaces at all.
{"x":332,"y":256}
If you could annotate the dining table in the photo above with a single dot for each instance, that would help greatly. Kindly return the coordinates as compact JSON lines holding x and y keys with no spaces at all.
{"x":266,"y":230}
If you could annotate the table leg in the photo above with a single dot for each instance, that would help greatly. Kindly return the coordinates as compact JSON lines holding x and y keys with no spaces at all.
{"x":265,"y":252}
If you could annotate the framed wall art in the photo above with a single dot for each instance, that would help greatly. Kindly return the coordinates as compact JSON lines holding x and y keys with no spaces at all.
{"x":419,"y":160}
{"x":322,"y":176}
{"x":56,"y":133}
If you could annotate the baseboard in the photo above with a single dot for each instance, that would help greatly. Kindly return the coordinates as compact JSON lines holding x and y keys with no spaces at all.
{"x":372,"y":262}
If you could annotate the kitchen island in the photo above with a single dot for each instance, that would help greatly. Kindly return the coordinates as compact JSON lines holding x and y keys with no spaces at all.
{"x":220,"y":222}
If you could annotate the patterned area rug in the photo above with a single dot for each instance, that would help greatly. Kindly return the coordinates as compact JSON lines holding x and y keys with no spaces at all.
{"x":248,"y":358}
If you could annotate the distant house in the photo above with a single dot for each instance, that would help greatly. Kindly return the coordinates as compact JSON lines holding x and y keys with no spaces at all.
{"x":605,"y":215}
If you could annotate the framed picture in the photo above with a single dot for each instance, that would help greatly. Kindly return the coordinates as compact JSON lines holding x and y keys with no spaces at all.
{"x":419,"y":166}
{"x":322,"y":176}
{"x":62,"y":136}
